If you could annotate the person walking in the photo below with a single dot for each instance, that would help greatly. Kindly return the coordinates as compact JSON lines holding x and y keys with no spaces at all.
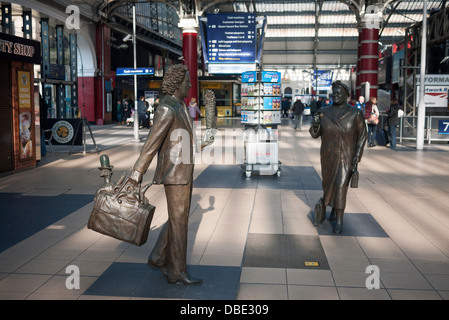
{"x":298,"y":109}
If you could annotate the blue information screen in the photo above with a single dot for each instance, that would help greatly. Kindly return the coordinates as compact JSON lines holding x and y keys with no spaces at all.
{"x":231,"y":37}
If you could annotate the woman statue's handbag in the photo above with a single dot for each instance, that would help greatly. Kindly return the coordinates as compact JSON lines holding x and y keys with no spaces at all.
{"x":355,"y":177}
{"x":122,"y":214}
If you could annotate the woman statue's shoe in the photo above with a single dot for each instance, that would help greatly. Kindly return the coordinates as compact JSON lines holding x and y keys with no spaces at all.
{"x":185,"y":279}
{"x":338,"y":228}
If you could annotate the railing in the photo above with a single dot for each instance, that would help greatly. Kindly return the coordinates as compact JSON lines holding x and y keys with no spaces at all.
{"x":433,"y":126}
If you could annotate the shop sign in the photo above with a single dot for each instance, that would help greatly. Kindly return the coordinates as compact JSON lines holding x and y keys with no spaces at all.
{"x":19,"y":49}
{"x":65,"y":131}
{"x":210,"y":85}
{"x":249,"y":76}
{"x":271,"y":76}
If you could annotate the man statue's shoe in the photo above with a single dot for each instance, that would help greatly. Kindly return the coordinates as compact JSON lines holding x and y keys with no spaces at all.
{"x":185,"y":279}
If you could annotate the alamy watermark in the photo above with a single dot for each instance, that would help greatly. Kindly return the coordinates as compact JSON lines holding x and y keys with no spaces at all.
{"x":73,"y":280}
{"x":230,"y":146}
{"x":372,"y":17}
{"x":73,"y":20}
{"x":373,"y":280}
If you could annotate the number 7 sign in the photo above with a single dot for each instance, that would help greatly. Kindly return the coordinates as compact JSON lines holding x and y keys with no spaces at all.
{"x":443,"y":126}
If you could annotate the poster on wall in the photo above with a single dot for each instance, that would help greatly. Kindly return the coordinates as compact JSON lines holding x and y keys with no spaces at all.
{"x":26,"y":135}
{"x":24,"y":86}
{"x":25,"y":117}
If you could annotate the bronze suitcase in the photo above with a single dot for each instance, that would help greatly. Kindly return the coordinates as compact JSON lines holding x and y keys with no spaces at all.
{"x":121,"y":215}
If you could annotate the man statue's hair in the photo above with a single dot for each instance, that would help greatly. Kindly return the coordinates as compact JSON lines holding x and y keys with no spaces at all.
{"x":173,"y":78}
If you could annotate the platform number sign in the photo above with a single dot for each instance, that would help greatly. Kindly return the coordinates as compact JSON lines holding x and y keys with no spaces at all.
{"x":443,"y":126}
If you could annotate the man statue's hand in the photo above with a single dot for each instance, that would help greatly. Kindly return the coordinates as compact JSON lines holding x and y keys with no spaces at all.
{"x":131,"y":187}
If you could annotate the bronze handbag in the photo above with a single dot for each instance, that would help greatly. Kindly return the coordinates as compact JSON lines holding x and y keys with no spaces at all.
{"x":122,"y":215}
{"x":355,"y":177}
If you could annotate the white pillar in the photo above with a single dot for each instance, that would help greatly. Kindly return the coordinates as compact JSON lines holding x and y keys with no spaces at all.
{"x":421,"y":106}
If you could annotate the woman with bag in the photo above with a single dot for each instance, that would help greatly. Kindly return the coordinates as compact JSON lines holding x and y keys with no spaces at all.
{"x":372,"y":119}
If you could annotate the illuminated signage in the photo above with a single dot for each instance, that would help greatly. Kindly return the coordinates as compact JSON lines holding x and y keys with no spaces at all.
{"x":231,"y":38}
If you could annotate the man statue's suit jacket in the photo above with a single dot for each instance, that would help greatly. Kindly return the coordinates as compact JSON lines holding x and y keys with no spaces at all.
{"x":171,"y":137}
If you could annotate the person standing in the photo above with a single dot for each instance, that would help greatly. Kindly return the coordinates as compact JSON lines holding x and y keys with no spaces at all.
{"x":171,"y":139}
{"x":372,"y":119}
{"x":361,"y":103}
{"x":120,"y":112}
{"x":285,"y":107}
{"x":393,"y":121}
{"x":343,"y":136}
{"x":298,"y":109}
{"x":194,"y":110}
{"x":142,"y":107}
{"x":313,"y":107}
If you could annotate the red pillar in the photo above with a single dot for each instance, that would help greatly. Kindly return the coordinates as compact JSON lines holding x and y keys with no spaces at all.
{"x":103,"y":51}
{"x":368,"y":57}
{"x":189,"y":52}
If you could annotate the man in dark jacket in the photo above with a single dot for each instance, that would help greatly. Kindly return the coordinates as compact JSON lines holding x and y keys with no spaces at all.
{"x":343,"y":135}
{"x":393,"y":121}
{"x":298,"y":109}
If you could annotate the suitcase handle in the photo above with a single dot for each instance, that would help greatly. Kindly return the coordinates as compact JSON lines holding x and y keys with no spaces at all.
{"x":119,"y":193}
{"x":143,"y":190}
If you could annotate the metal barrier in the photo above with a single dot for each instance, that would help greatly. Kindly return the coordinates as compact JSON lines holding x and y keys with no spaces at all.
{"x":408,"y":126}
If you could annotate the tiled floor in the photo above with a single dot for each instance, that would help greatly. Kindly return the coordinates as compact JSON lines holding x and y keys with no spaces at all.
{"x":249,"y":238}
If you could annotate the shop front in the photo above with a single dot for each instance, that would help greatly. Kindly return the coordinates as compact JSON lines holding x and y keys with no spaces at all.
{"x":19,"y":108}
{"x":227,"y":95}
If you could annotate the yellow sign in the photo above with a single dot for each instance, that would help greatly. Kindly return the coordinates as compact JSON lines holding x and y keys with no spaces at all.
{"x":210,"y":85}
{"x":24,"y":86}
{"x":311,"y":264}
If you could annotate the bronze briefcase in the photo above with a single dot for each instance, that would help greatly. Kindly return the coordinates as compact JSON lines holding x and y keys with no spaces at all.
{"x":122,"y":216}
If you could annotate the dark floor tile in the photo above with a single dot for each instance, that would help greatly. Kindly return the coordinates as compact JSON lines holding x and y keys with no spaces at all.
{"x":283,"y":251}
{"x":23,"y":216}
{"x":354,"y":224}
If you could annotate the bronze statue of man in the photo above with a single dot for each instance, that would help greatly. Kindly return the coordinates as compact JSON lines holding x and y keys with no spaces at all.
{"x":343,"y":135}
{"x":171,"y":138}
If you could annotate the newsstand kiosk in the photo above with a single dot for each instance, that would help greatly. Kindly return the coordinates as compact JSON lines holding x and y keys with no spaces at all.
{"x":261,"y":115}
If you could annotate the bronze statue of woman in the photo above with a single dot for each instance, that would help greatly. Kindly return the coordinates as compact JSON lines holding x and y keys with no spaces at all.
{"x":343,"y":135}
